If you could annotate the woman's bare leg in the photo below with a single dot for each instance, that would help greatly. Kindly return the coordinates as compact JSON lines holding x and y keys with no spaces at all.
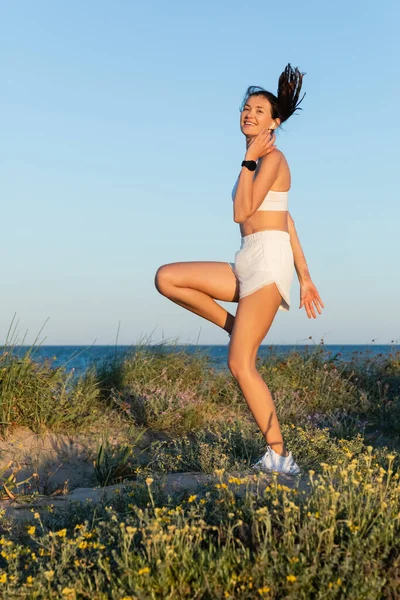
{"x":196,"y":285}
{"x":253,"y":319}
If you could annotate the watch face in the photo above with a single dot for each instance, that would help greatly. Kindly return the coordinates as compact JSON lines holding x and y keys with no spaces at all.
{"x":250,"y":164}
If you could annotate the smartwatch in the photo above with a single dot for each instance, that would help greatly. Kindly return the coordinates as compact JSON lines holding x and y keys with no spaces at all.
{"x":250,"y":164}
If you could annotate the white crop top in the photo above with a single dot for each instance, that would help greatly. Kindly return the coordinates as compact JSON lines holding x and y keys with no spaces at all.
{"x":272,"y":201}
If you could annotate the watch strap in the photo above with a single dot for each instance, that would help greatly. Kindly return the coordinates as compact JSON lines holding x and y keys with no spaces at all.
{"x":250,"y":164}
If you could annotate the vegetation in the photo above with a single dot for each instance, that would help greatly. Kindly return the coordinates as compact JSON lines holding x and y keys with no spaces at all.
{"x":242,"y":535}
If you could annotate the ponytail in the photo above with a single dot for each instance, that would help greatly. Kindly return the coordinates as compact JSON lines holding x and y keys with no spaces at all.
{"x":289,"y":88}
{"x":286,"y":103}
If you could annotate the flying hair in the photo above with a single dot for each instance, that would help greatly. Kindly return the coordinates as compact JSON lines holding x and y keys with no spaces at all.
{"x":286,"y":102}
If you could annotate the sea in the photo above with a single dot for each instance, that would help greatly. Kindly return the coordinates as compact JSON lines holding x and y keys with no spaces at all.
{"x":80,"y":358}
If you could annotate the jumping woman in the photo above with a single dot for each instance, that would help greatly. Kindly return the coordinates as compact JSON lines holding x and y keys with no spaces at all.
{"x":260,"y":278}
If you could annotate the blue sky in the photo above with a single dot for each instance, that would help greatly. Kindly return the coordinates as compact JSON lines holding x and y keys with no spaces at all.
{"x":121,"y":143}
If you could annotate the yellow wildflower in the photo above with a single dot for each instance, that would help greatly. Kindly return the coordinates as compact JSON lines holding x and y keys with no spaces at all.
{"x":3,"y":578}
{"x":144,"y":571}
{"x":291,"y":578}
{"x":31,"y":530}
{"x":61,"y":532}
{"x":235,"y":480}
{"x":131,"y":530}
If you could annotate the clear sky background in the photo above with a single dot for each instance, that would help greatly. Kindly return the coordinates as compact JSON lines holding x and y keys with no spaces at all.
{"x":120,"y":144}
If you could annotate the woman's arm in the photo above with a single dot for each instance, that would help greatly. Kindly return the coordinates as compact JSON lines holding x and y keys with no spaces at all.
{"x":308,"y":292}
{"x":251,"y":191}
{"x":300,"y":263}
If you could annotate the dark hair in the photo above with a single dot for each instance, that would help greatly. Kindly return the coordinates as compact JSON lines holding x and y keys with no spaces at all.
{"x":286,"y":102}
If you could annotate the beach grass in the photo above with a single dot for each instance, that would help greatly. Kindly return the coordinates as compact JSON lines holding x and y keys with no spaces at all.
{"x":336,"y":536}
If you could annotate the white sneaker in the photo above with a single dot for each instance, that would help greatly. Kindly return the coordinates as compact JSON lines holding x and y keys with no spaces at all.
{"x":272,"y":461}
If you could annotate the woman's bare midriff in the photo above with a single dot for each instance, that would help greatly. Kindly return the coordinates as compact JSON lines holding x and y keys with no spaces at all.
{"x":265,"y":219}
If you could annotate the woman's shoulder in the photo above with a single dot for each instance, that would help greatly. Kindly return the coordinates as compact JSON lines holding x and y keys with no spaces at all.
{"x":278,"y":153}
{"x":275,"y":162}
{"x":278,"y":158}
{"x":273,"y":159}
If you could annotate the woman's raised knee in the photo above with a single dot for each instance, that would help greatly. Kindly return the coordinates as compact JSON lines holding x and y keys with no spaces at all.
{"x":162,"y":279}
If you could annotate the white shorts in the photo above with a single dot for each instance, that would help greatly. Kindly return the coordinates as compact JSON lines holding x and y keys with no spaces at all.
{"x":265,"y":257}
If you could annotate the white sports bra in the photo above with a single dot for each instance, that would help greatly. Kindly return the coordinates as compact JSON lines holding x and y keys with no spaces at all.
{"x":272,"y":201}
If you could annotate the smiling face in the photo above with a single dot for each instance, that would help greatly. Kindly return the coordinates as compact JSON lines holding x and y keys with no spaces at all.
{"x":256,"y":115}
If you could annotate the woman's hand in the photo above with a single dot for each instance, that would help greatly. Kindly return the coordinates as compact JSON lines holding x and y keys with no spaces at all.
{"x":261,"y":144}
{"x":308,"y":295}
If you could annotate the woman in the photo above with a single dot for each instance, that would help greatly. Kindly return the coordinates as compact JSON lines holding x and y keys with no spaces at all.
{"x":260,"y":278}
